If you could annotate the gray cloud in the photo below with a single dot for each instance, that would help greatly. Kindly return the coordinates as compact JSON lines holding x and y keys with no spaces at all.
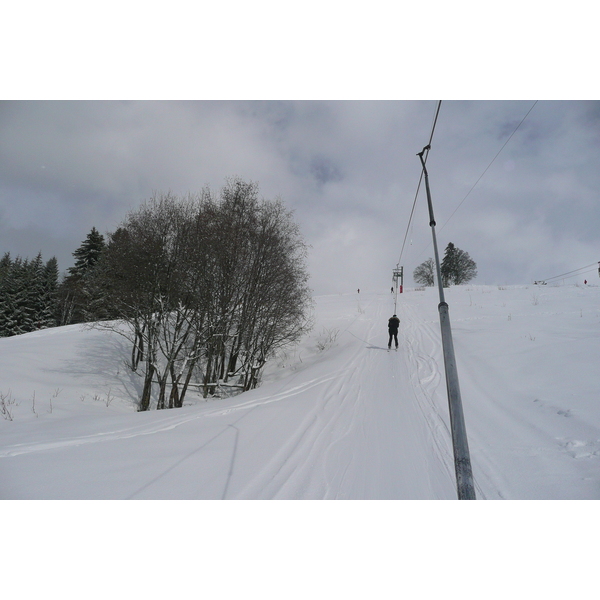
{"x":348,"y":169}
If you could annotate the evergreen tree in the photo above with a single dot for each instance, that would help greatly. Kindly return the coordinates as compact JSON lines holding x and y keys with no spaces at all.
{"x":49,"y":301}
{"x":75,"y":292}
{"x":5,"y":266}
{"x":87,"y":255}
{"x":27,"y":294}
{"x":14,"y":302}
{"x":6,"y":294}
{"x":457,"y":266}
{"x":34,"y":294}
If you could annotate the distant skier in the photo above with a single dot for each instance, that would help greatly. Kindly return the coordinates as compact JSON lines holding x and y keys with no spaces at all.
{"x":393,"y":325}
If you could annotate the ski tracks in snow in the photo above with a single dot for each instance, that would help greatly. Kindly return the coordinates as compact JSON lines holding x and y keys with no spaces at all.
{"x":372,"y":428}
{"x":422,"y":342}
{"x":360,"y":423}
{"x":296,"y":470}
{"x":364,"y":433}
{"x":139,"y":429}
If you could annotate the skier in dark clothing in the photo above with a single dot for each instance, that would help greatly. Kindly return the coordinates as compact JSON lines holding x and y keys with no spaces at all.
{"x":393,"y":325}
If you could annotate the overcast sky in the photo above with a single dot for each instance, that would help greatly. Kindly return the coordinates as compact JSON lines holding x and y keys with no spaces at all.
{"x":349,"y":170}
{"x":305,"y":103}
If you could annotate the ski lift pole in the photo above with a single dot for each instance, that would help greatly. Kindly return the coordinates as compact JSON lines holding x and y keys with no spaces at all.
{"x":397,"y":276}
{"x":462,"y":460}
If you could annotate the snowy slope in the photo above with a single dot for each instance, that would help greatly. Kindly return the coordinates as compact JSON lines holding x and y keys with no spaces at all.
{"x":347,"y":421}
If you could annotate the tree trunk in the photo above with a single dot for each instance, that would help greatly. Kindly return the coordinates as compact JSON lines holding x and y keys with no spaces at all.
{"x":147,"y":391}
{"x":174,"y":395}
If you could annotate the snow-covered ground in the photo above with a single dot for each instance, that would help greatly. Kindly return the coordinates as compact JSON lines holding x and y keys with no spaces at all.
{"x":337,"y":418}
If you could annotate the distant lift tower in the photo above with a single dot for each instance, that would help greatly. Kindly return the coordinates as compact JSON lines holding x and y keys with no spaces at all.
{"x":398,"y":276}
{"x":398,"y":279}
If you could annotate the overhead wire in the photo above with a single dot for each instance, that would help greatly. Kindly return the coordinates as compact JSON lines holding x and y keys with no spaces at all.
{"x":485,"y":170}
{"x":435,"y":118}
{"x":491,"y":163}
{"x":569,"y":272}
{"x":581,"y":273}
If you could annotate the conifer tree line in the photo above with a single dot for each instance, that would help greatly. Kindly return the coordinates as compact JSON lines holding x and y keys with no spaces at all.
{"x":457,"y":268}
{"x":32,"y":296}
{"x":205,"y":288}
{"x":28,"y":294}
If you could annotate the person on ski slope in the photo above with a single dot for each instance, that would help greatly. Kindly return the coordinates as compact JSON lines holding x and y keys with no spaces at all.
{"x":393,"y":325}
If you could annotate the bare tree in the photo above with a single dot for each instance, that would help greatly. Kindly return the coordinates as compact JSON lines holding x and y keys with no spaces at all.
{"x":143,"y":272}
{"x":261,"y":293}
{"x":272,"y":312}
{"x":424,"y":273}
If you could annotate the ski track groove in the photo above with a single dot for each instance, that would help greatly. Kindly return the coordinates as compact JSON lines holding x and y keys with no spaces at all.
{"x":291,"y":472}
{"x":166,"y":424}
{"x":425,"y":365}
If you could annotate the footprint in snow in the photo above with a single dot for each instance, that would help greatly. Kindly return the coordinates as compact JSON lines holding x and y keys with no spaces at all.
{"x":582,"y":449}
{"x":561,"y":412}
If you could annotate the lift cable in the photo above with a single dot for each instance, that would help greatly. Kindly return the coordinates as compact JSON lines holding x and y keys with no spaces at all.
{"x":437,"y":112}
{"x":569,"y":272}
{"x":484,"y":172}
{"x":491,"y":163}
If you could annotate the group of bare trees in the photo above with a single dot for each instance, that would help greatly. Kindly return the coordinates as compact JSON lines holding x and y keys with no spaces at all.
{"x":206,"y":288}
